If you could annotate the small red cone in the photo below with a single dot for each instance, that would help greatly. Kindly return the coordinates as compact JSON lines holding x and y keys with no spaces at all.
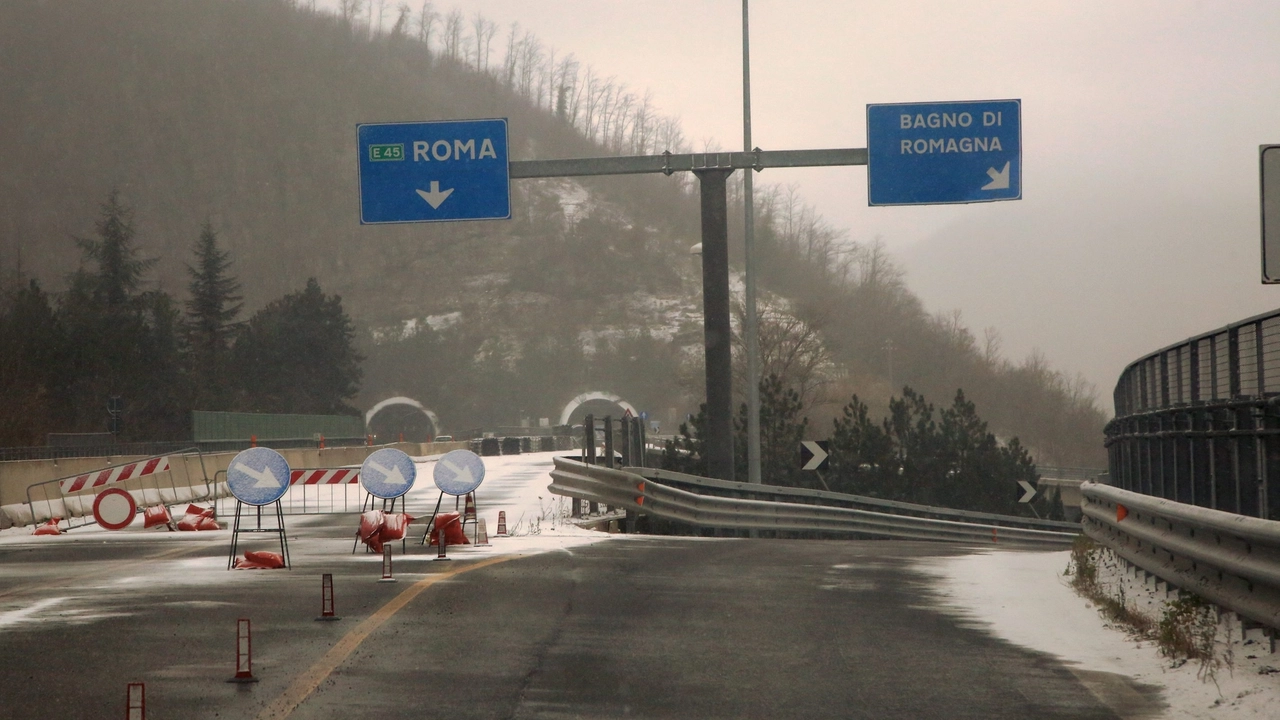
{"x":440,"y":555}
{"x":482,"y":534}
{"x":253,"y":441}
{"x":244,"y":653}
{"x":995,"y":535}
{"x":135,"y":703}
{"x":387,"y":576}
{"x":469,"y":511}
{"x":502,"y":523}
{"x":322,"y":442}
{"x":326,"y":599}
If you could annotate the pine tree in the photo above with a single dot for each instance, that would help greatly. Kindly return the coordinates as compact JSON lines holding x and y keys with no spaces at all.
{"x":120,"y":270}
{"x":32,"y":367}
{"x":107,"y":323}
{"x":210,"y":321}
{"x":297,"y":355}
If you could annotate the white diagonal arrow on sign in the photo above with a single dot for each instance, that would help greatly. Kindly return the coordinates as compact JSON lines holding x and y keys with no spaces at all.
{"x":463,"y":473}
{"x":819,"y":455}
{"x":436,"y":197}
{"x":265,"y":477}
{"x":999,"y":178}
{"x":391,"y":475}
{"x":1028,"y":491}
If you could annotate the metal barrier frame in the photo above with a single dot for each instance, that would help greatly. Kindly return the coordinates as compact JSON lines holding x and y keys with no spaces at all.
{"x":69,"y":518}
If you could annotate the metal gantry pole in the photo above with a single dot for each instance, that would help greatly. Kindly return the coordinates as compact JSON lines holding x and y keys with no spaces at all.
{"x":715,"y":308}
{"x":750,"y":324}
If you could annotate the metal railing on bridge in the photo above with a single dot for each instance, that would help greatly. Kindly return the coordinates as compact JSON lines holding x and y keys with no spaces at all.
{"x":1198,"y":422}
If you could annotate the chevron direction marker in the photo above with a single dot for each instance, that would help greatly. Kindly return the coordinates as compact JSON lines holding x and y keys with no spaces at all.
{"x":1028,"y":491}
{"x":813,"y":454}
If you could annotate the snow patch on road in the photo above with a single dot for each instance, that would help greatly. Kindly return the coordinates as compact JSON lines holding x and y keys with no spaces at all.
{"x":1023,"y":597}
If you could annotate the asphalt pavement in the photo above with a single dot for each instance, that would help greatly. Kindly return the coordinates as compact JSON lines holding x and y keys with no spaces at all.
{"x":643,"y":627}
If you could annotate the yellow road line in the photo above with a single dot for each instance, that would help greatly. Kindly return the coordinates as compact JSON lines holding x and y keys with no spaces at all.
{"x":306,"y":683}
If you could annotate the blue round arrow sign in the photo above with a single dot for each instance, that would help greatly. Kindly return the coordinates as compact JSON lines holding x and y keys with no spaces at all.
{"x":258,"y":476}
{"x":459,"y":472}
{"x":388,"y":473}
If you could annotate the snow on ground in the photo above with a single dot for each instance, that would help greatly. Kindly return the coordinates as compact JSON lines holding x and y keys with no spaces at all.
{"x":93,"y":590}
{"x":1023,"y":597}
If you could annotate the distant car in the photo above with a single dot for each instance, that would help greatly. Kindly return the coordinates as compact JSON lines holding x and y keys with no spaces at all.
{"x":444,"y":438}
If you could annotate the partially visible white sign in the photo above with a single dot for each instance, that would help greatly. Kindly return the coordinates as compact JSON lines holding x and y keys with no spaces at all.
{"x":1269,"y":159}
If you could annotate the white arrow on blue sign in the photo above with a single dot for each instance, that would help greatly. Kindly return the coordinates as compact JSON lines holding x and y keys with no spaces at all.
{"x":459,"y":472}
{"x":433,"y":171}
{"x":258,"y":476}
{"x":388,"y":473}
{"x":944,"y":152}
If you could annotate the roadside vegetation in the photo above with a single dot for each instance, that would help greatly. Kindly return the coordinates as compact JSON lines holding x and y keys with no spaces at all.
{"x":1185,"y":630}
{"x":590,"y":285}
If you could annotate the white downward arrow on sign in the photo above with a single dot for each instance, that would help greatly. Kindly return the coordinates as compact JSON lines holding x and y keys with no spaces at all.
{"x":1028,"y":491}
{"x":462,"y":473}
{"x":436,"y":197}
{"x":265,"y":478}
{"x":999,"y":179}
{"x":391,"y":475}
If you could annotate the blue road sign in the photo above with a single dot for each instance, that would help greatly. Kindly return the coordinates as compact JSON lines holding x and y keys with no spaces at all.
{"x":388,"y":473}
{"x":258,"y":476}
{"x":459,"y":472}
{"x":433,"y":171}
{"x":944,"y":152}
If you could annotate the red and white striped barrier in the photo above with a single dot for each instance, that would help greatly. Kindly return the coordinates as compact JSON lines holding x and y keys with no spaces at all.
{"x":325,"y":476}
{"x":113,"y":475}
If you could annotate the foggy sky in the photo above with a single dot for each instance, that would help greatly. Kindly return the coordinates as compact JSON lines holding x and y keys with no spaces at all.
{"x":1141,"y":123}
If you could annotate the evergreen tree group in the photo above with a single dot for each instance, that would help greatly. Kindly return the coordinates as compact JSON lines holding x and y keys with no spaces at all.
{"x":945,"y":458}
{"x":109,"y":339}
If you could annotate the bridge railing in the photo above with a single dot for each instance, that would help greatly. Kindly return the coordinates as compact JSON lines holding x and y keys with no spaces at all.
{"x":1198,"y":422}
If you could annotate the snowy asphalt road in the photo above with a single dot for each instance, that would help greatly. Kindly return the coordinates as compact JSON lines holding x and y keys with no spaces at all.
{"x":636,"y":627}
{"x":563,"y":623}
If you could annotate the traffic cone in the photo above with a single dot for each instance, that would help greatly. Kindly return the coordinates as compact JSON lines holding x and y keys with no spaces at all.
{"x":441,"y":542}
{"x":244,"y":653}
{"x":326,"y":599}
{"x":387,"y":576}
{"x":482,"y":534}
{"x":502,"y":523}
{"x":469,"y":512}
{"x":135,"y":701}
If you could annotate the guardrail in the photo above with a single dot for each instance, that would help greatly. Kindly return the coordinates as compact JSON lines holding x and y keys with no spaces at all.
{"x":773,"y":493}
{"x":656,"y":497}
{"x":1229,"y":559}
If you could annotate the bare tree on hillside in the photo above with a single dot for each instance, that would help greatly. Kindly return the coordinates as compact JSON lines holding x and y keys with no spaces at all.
{"x":453,"y":34}
{"x":427,"y":18}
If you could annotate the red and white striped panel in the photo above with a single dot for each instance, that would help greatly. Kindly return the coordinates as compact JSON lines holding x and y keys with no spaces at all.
{"x":333,"y":476}
{"x":113,"y":475}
